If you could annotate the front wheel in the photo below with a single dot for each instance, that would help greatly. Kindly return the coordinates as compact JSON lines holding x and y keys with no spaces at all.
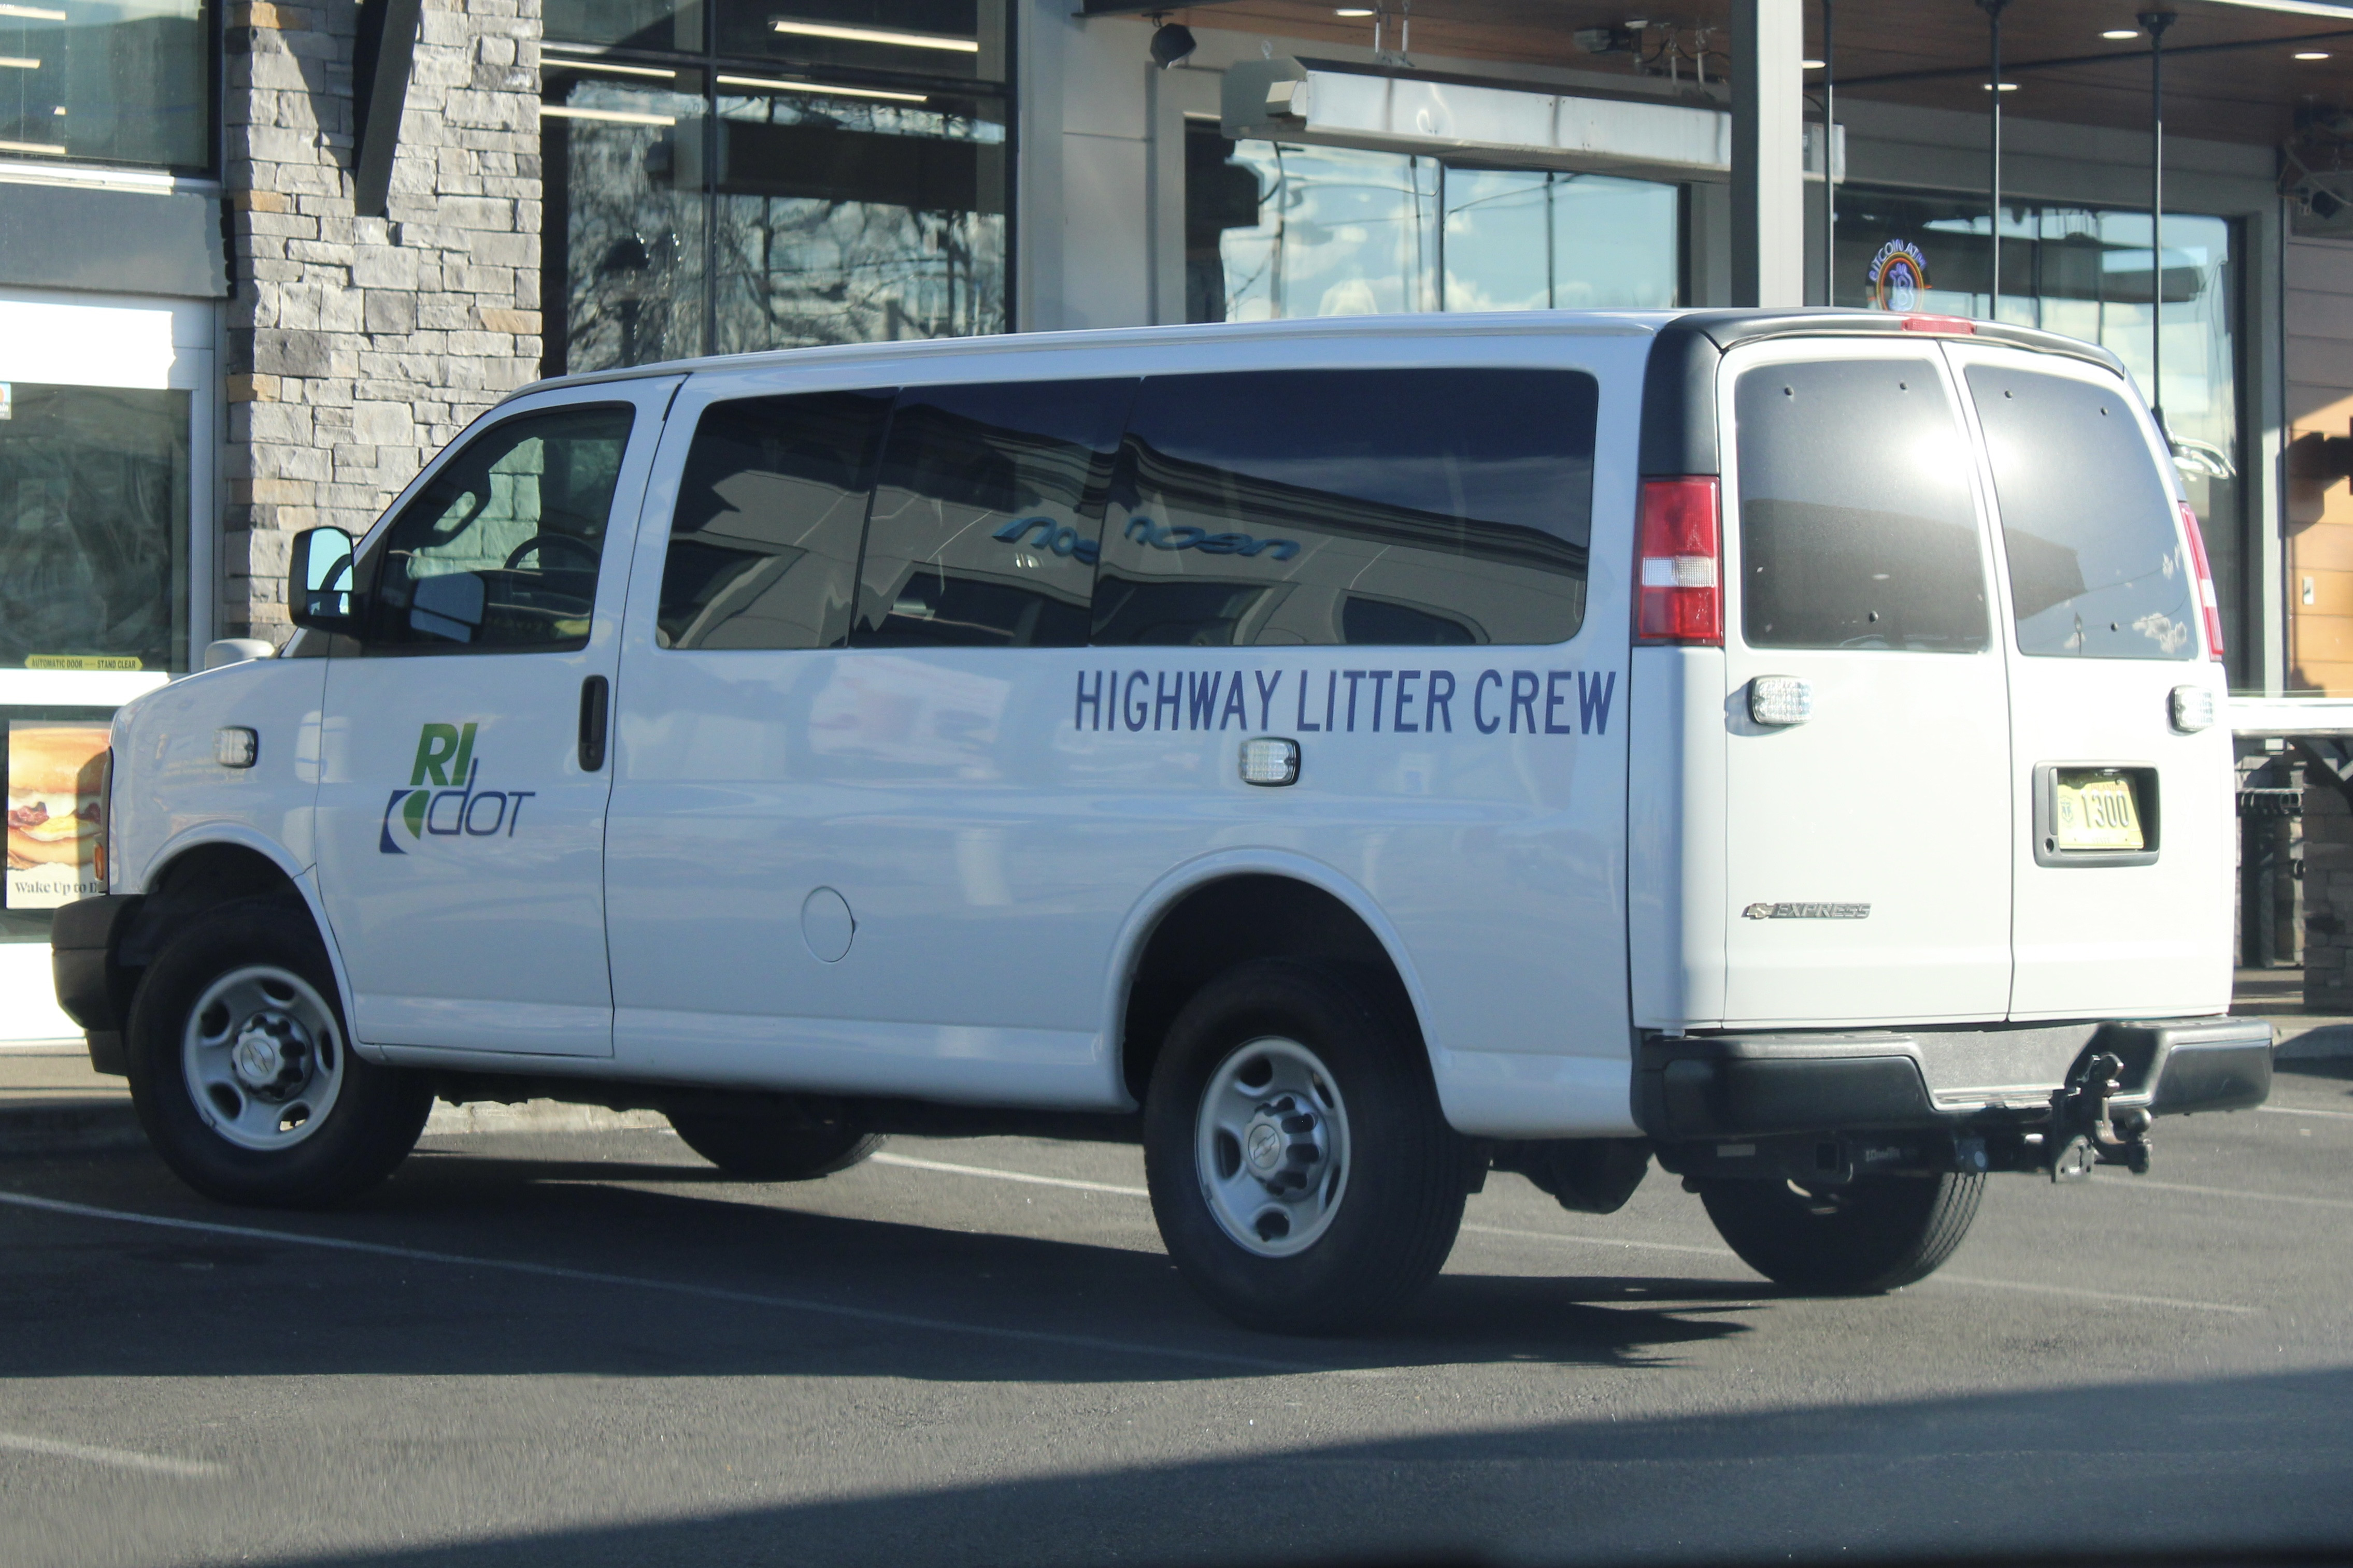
{"x":243,"y":1074}
{"x":1875,"y":1233}
{"x":1303,"y":1175}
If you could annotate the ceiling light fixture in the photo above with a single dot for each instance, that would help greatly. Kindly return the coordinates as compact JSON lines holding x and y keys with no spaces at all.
{"x":1353,"y":11}
{"x":2006,"y":86}
{"x":2311,"y":54}
{"x":876,"y":36}
{"x":646,"y":71}
{"x":775,"y":85}
{"x":2121,"y":34}
{"x":1813,"y":65}
{"x":33,"y":13}
{"x":18,"y":62}
{"x":611,"y":116}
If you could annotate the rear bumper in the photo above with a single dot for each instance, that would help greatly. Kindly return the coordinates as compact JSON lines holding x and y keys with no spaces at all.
{"x":1750,"y":1086}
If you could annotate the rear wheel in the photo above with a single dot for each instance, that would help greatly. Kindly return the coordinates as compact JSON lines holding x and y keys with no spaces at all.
{"x":778,"y":1143}
{"x":1875,"y":1233}
{"x":243,"y":1074}
{"x":1302,"y":1173}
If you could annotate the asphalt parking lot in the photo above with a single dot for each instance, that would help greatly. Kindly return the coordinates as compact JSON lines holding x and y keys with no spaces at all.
{"x":589,"y":1348}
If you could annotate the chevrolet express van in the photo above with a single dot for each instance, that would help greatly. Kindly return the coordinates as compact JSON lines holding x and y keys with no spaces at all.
{"x":1349,"y":756}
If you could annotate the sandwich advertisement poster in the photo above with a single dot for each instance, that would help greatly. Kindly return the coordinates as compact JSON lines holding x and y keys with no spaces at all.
{"x":55,"y":772}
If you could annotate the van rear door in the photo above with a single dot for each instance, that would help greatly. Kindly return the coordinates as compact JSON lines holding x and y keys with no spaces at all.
{"x":2121,"y":855}
{"x":1867,"y":746}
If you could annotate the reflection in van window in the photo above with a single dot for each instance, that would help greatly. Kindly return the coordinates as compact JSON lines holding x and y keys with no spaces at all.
{"x":499,"y":551}
{"x":1415,"y":506}
{"x":989,"y":515}
{"x":2096,"y":567}
{"x":764,"y":545}
{"x":1857,"y":530}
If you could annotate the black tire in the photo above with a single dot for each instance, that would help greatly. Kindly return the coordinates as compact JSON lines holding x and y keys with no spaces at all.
{"x":780,"y":1144}
{"x":366,"y":1127}
{"x":1389,"y":1222}
{"x":1876,"y":1234}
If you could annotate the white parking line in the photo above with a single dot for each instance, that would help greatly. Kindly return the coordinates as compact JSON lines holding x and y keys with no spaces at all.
{"x":2144,"y":1183}
{"x":2080,"y":1293}
{"x":1971,"y":1281}
{"x":1605,"y":1241}
{"x":121,"y":1458}
{"x":674,"y":1287}
{"x":1075,"y":1185}
{"x":2300,"y":1110}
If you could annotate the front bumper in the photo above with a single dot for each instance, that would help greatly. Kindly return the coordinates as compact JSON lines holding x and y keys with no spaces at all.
{"x":91,"y":987}
{"x":1759,"y":1086}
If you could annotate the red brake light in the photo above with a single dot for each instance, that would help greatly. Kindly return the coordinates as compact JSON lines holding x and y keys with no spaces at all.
{"x":1961,"y":325}
{"x":2208,"y":600}
{"x":1678,"y":569}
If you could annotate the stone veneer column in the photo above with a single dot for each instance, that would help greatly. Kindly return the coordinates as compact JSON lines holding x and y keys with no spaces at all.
{"x":358,"y":346}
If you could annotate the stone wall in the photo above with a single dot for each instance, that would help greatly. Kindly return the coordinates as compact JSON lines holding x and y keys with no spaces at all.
{"x":357,"y":346}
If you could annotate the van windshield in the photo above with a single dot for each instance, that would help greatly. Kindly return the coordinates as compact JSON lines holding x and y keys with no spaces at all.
{"x":2097,"y":567}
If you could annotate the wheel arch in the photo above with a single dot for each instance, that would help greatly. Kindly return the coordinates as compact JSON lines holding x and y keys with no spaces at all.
{"x":1226,"y":909}
{"x":197,"y":874}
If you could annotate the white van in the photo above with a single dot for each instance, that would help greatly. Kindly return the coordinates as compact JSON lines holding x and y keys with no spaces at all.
{"x":1349,"y":756}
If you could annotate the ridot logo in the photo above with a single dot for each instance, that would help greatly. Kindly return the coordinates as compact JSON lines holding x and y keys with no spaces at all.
{"x":445,"y":757}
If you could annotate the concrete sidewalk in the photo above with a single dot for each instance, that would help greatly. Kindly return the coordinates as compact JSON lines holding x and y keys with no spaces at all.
{"x":51,"y":1102}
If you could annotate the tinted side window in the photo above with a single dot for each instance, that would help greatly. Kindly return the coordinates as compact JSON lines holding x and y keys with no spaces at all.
{"x":764,"y":545}
{"x":1417,"y":507}
{"x":989,"y":515}
{"x":499,"y":552}
{"x":2096,"y":567}
{"x":1856,"y":526}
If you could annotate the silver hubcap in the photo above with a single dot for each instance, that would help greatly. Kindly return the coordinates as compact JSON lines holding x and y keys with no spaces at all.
{"x":1271,"y":1146}
{"x":263,"y":1058}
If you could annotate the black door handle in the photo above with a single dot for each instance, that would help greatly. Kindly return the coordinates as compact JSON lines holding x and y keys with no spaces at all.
{"x":593,"y":694}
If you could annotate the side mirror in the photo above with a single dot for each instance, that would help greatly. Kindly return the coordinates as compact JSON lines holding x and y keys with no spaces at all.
{"x":319,"y":581}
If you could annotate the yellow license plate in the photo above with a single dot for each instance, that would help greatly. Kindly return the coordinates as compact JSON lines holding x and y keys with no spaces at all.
{"x":2098,"y":811}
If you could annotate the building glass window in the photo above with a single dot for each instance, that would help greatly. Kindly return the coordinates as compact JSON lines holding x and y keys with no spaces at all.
{"x":772,"y":176}
{"x":95,"y":82}
{"x":93,"y":528}
{"x":843,"y":220}
{"x":1275,"y":230}
{"x":2085,"y":271}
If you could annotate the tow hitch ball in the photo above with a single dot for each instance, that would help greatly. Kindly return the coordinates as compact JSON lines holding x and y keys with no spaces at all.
{"x":2086,"y":1132}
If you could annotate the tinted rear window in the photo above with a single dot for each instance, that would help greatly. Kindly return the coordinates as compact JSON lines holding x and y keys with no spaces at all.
{"x":1857,"y":530}
{"x":1414,"y":507}
{"x":2096,"y":565}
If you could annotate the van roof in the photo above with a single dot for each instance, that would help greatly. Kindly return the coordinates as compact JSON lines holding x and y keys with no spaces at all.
{"x":1724,"y":329}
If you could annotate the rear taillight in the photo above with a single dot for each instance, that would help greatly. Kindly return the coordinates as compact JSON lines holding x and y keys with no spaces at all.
{"x":2208,"y":600}
{"x":1679,"y":592}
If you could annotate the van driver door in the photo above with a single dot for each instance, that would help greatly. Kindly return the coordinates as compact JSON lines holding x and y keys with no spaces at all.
{"x":461,"y":808}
